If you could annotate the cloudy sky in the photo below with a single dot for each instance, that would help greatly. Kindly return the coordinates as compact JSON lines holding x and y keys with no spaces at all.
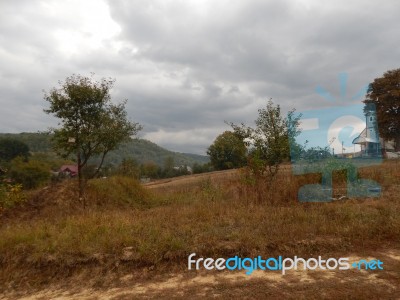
{"x":186,"y":66}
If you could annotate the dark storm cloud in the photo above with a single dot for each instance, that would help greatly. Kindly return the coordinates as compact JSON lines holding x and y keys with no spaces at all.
{"x":186,"y":66}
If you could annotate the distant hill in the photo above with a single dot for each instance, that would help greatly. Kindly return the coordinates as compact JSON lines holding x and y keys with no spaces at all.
{"x":139,"y":149}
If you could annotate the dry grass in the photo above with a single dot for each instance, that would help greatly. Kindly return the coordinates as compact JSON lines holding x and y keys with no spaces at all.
{"x":215,"y":216}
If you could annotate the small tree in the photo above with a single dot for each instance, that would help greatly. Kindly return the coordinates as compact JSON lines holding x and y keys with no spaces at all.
{"x":129,"y":167}
{"x":169,"y":164}
{"x":270,"y":140}
{"x":228,"y":151}
{"x":150,"y":169}
{"x":90,"y":123}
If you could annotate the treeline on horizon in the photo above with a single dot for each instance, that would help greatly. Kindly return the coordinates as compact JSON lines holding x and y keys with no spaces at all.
{"x":27,"y":161}
{"x":140,"y":150}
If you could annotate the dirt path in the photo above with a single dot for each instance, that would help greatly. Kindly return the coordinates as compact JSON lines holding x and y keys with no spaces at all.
{"x":319,"y":284}
{"x":195,"y":178}
{"x":188,"y":179}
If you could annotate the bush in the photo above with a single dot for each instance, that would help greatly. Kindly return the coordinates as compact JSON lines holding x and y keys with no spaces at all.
{"x":10,"y":195}
{"x":30,"y":174}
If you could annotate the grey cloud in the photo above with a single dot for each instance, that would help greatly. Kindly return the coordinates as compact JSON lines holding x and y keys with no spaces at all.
{"x":186,"y":66}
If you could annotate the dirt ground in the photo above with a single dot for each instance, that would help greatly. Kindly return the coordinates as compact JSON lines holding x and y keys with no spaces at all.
{"x":296,"y":284}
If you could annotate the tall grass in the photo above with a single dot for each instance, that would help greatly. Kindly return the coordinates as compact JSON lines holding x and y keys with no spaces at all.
{"x":117,"y":191}
{"x":215,"y":217}
{"x":207,"y":228}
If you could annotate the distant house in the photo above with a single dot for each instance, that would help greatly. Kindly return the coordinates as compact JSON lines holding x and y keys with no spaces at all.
{"x":69,"y":170}
{"x":145,"y":179}
{"x":184,"y":168}
{"x":371,"y":144}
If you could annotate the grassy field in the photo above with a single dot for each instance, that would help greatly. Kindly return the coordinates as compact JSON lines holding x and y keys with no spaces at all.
{"x":147,"y":233}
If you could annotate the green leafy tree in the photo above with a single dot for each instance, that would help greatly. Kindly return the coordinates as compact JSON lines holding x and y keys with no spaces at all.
{"x":228,"y":151}
{"x":384,"y":92}
{"x":169,"y":165}
{"x":91,"y":125}
{"x":316,"y":153}
{"x":270,"y":140}
{"x":51,"y":159}
{"x":197,"y":168}
{"x":12,"y":148}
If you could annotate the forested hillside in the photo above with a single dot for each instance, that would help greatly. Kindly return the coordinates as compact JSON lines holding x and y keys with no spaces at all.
{"x":138,"y":149}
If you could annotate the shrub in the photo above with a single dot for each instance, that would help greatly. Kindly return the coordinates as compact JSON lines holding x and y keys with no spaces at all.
{"x":10,"y":195}
{"x":30,"y":174}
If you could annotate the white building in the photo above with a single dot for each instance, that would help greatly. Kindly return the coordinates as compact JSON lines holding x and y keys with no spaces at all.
{"x":371,"y":144}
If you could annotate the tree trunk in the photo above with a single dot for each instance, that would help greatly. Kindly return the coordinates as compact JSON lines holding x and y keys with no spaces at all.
{"x":397,"y":144}
{"x":101,"y":164}
{"x":80,"y":180}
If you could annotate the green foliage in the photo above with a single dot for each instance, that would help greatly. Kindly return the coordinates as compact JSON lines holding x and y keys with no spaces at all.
{"x":51,"y":159}
{"x":37,"y":142}
{"x":129,"y":167}
{"x":169,"y":165}
{"x":90,"y":123}
{"x":316,"y":153}
{"x":139,"y":149}
{"x":227,"y":152}
{"x":10,"y":195}
{"x":150,"y":169}
{"x":89,"y":170}
{"x":144,"y":151}
{"x":180,"y":171}
{"x":30,"y":174}
{"x":11,"y":148}
{"x":384,"y":92}
{"x":270,"y":139}
{"x":202,"y":168}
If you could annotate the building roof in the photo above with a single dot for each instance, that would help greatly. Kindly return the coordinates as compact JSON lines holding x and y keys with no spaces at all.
{"x":362,"y":138}
{"x":69,"y":168}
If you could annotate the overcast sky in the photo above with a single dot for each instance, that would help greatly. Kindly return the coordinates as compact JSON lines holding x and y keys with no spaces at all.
{"x":186,"y":66}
